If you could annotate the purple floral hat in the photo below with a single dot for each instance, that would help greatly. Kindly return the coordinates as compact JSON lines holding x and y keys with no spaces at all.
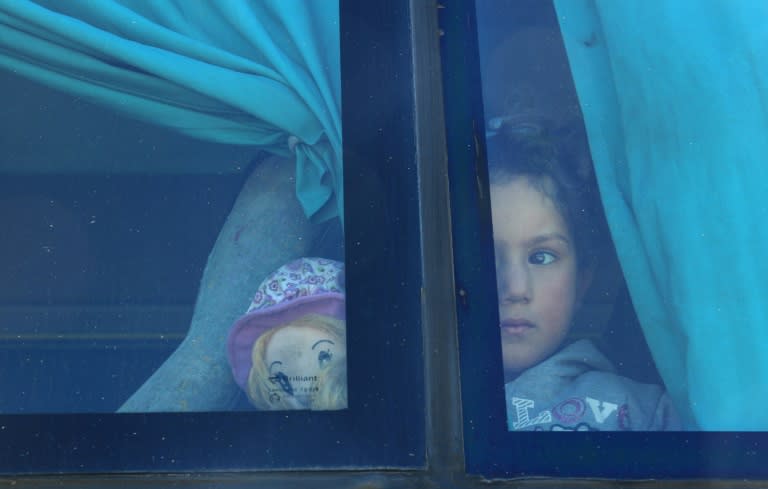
{"x":301,"y":287}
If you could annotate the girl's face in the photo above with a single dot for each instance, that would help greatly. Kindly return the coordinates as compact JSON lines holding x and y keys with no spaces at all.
{"x":295,"y":357}
{"x":539,"y":284}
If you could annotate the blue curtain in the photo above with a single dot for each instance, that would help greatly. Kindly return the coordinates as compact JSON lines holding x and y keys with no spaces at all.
{"x":675,"y":100}
{"x":260,"y":73}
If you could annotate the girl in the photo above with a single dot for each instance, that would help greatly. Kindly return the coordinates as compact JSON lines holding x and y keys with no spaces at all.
{"x":547,"y":223}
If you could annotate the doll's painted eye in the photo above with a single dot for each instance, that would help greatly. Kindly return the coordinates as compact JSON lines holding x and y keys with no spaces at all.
{"x":282,"y":380}
{"x":324,"y":358}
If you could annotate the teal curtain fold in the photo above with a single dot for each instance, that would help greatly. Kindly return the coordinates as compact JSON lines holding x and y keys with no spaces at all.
{"x":260,"y":73}
{"x":675,"y":101}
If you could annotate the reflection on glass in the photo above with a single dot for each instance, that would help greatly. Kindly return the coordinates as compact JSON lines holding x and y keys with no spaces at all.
{"x":552,"y":245}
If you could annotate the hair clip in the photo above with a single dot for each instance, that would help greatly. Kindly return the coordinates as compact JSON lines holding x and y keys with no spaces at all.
{"x":513,"y":125}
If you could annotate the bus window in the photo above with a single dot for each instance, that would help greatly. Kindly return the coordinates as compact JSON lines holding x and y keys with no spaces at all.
{"x":142,"y":250}
{"x":183,"y":274}
{"x":543,"y":100}
{"x":557,"y":274}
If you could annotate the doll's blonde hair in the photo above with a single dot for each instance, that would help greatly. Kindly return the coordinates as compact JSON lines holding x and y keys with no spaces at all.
{"x":332,"y":380}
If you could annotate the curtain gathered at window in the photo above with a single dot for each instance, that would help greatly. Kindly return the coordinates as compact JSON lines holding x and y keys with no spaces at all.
{"x":675,"y":101}
{"x":232,"y":71}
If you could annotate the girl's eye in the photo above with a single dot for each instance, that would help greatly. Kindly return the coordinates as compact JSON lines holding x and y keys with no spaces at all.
{"x":324,"y":357}
{"x":541,"y":258}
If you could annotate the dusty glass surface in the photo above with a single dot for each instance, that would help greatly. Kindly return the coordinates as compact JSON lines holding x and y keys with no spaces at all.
{"x":173,"y":286}
{"x":573,"y":355}
{"x":142,"y":269}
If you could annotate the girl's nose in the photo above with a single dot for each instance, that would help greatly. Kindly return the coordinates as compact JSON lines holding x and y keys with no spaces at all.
{"x":514,"y":284}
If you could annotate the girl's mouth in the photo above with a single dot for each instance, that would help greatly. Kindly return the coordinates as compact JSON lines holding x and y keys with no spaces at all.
{"x":516,"y":326}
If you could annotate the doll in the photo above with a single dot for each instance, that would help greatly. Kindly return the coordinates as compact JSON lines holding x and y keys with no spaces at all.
{"x":288,"y":351}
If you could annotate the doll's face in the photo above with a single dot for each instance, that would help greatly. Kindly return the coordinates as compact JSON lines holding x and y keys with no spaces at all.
{"x":296,"y":356}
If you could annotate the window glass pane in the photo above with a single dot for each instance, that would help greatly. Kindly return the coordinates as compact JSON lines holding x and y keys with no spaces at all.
{"x":527,"y":114}
{"x":573,"y":355}
{"x":178,"y":252}
{"x":112,"y":223}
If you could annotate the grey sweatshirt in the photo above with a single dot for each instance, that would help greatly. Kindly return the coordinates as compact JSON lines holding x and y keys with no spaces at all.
{"x":577,"y":389}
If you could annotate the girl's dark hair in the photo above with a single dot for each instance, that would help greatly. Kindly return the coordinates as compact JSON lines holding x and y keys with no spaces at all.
{"x":557,"y":164}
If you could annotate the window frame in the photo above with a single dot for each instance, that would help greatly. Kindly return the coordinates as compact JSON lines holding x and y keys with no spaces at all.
{"x":447,"y":309}
{"x":383,"y":429}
